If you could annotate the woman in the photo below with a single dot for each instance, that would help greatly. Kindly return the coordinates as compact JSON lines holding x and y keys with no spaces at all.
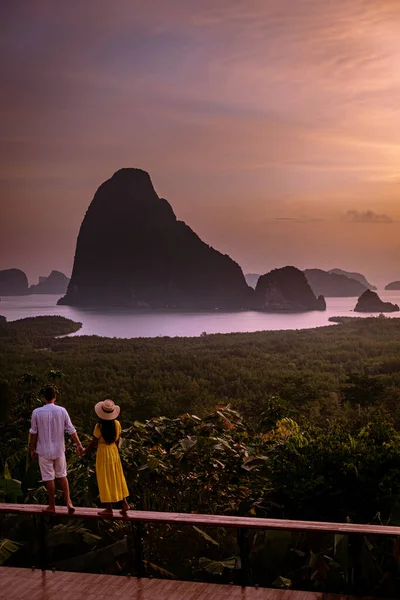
{"x":109,"y":473}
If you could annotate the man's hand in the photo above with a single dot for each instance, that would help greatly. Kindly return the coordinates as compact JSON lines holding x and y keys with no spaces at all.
{"x":80,"y":450}
{"x":79,"y":447}
{"x":33,"y":454}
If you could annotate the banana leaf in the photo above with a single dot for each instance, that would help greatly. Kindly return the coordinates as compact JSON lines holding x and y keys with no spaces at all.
{"x":7,"y":548}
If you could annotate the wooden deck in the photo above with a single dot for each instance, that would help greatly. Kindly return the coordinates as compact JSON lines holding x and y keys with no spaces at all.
{"x":209,"y":520}
{"x":25,"y":584}
{"x":28,"y":584}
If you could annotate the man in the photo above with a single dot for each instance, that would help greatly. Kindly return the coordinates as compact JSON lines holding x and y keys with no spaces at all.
{"x":49,"y":422}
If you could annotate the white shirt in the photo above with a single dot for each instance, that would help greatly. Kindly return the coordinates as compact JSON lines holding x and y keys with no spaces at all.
{"x":50,"y":422}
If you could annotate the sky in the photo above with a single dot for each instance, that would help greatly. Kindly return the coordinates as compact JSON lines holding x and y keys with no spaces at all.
{"x":271,"y":126}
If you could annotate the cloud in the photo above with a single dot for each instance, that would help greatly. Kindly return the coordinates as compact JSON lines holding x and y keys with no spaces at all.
{"x":302,"y":219}
{"x":367,"y":216}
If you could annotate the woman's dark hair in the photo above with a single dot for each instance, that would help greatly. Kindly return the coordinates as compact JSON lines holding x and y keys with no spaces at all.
{"x":108,"y":430}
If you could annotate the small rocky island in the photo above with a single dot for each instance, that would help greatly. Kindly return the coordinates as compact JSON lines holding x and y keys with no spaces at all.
{"x":370,"y":302}
{"x":394,"y":285}
{"x":286,"y":289}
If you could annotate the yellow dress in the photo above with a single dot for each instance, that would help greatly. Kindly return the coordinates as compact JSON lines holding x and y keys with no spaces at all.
{"x":109,"y":473}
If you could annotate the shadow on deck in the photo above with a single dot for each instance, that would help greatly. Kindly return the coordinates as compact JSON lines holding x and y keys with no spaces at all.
{"x":25,"y":584}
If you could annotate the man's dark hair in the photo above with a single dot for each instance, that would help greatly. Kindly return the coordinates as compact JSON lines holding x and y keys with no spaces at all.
{"x":49,"y":393}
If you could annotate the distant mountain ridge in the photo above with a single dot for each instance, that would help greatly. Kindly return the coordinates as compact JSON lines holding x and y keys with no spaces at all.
{"x":357,"y":276}
{"x":55,"y":283}
{"x":332,"y":284}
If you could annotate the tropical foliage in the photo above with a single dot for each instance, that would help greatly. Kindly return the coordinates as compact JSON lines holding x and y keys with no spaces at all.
{"x":300,"y":425}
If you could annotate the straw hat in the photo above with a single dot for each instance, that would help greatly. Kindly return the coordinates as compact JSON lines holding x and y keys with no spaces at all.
{"x":107,"y":410}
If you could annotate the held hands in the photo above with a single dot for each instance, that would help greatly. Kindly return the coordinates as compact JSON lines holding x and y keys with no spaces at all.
{"x":80,"y":450}
{"x":33,"y":454}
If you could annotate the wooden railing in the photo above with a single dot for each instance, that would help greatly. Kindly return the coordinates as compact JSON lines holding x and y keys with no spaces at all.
{"x":241,"y":524}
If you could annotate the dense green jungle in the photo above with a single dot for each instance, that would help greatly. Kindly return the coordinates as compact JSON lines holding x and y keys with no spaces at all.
{"x":288,"y":424}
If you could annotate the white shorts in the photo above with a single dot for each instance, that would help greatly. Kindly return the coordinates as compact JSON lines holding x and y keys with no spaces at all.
{"x":52,"y":468}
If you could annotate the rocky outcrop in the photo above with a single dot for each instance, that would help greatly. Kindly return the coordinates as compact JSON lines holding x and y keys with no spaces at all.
{"x":252,"y":278}
{"x":286,"y":289}
{"x":357,"y":276}
{"x":370,"y":302}
{"x":132,"y":251}
{"x":395,"y":285}
{"x":13,"y":282}
{"x":332,"y":284}
{"x":55,"y":283}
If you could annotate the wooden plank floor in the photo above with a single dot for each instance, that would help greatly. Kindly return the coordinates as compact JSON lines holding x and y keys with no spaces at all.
{"x":210,"y":520}
{"x":25,"y":584}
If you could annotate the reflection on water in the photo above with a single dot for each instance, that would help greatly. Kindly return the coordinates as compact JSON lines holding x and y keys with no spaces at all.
{"x":127,"y":324}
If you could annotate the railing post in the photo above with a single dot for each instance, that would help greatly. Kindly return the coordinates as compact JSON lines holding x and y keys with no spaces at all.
{"x":356,"y":549}
{"x":42,"y":543}
{"x":243,"y":543}
{"x":138,"y":545}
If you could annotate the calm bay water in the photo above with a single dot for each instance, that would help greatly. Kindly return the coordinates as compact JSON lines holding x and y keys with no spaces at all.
{"x":128,"y":324}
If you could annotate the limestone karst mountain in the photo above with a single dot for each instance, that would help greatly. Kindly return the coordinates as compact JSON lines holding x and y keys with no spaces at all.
{"x":287,"y":289}
{"x":132,"y":251}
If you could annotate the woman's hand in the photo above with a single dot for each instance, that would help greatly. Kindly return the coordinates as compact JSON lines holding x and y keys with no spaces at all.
{"x":92,"y":445}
